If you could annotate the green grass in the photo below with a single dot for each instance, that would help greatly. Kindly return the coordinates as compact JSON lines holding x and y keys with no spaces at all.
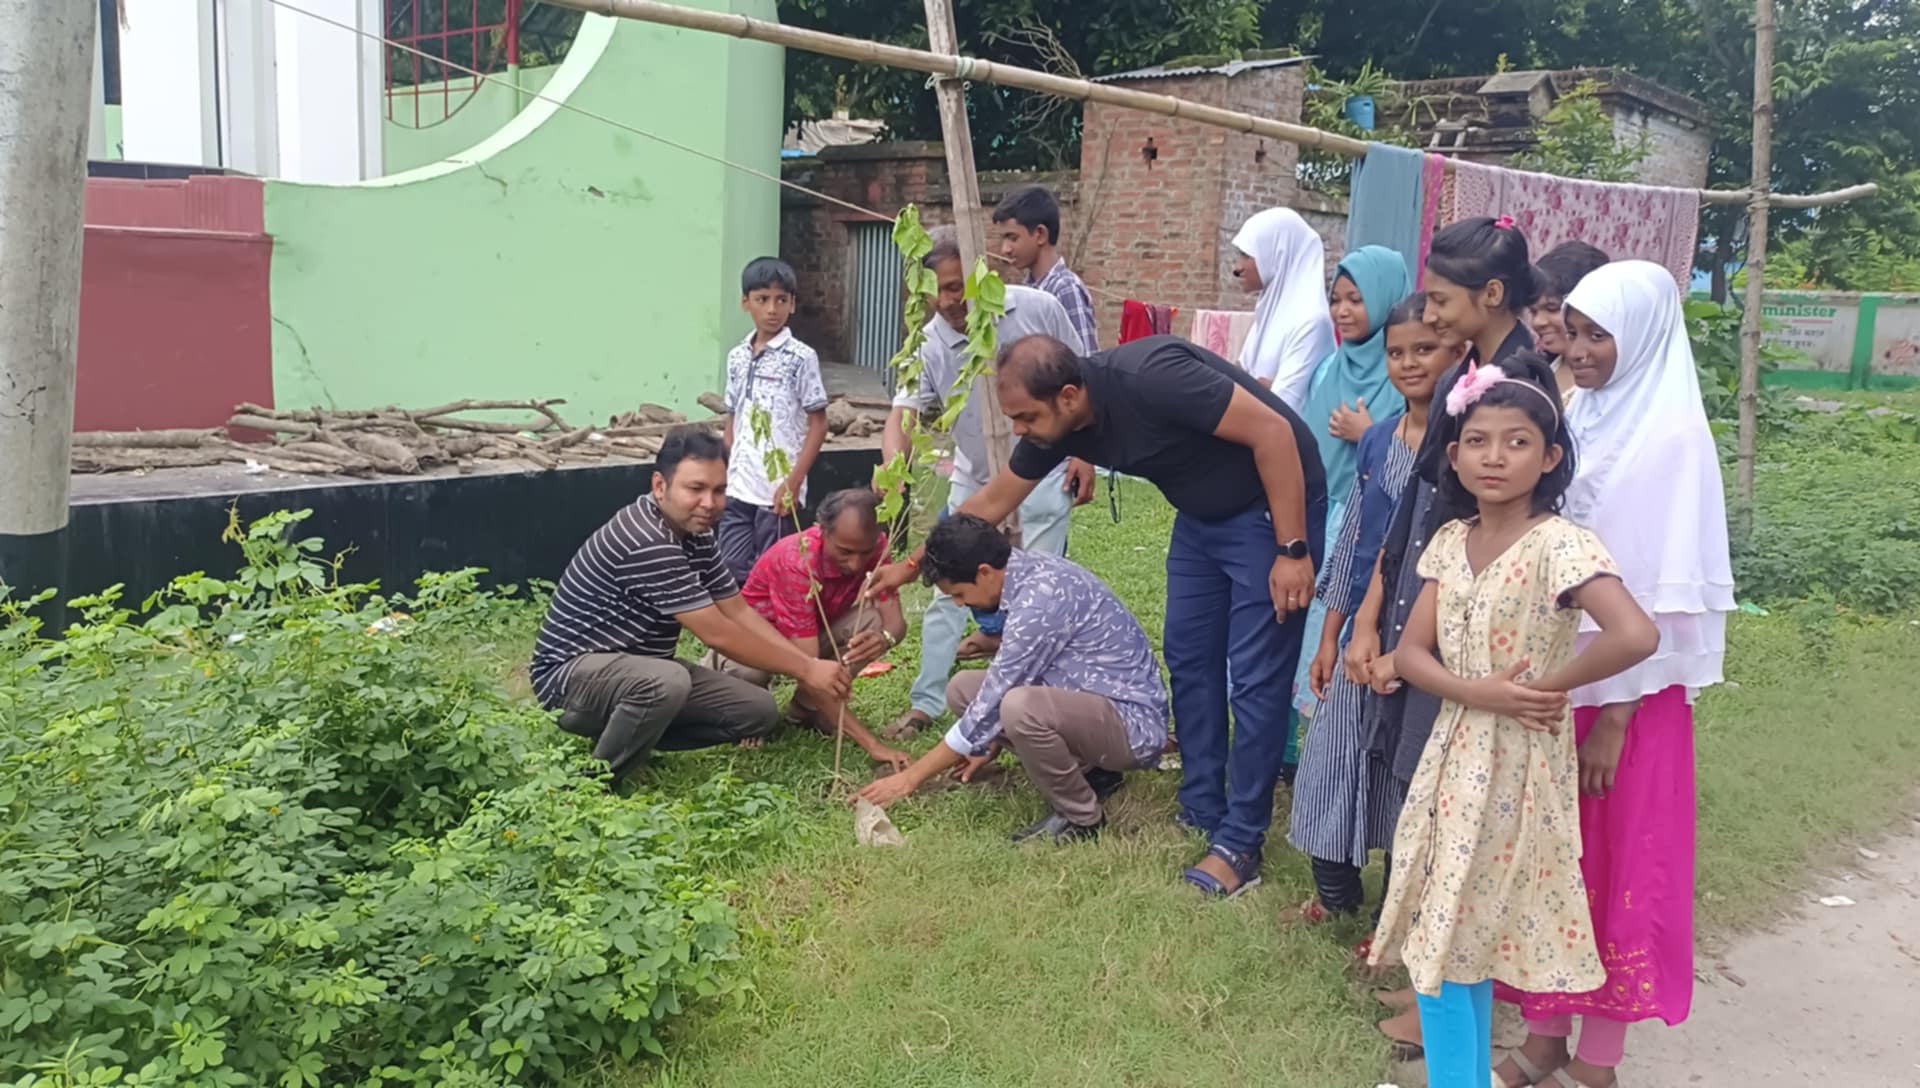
{"x":961,"y":961}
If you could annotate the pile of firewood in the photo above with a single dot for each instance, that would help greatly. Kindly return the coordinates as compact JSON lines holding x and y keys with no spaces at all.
{"x":400,"y":442}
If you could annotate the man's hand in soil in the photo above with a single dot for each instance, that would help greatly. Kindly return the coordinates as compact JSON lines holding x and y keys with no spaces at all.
{"x":973,"y":765}
{"x":864,"y":649}
{"x":885,"y":791}
{"x":825,"y":681}
{"x":894,"y":759}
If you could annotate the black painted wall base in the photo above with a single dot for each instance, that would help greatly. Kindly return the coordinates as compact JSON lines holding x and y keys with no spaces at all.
{"x":31,"y":562}
{"x":516,"y":525}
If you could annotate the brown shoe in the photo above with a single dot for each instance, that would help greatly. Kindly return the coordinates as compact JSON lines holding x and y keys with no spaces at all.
{"x":906,"y":725}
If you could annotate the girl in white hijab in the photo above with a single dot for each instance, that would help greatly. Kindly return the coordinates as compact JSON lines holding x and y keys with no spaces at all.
{"x":1283,"y":258}
{"x":1649,"y":485}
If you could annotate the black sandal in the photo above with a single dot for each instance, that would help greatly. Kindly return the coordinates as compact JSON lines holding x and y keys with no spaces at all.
{"x":1244,"y":866}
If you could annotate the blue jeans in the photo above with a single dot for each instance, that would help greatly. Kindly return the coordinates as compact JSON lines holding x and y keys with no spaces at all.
{"x":1221,"y":634}
{"x":1456,"y":1030}
{"x":1044,"y":518}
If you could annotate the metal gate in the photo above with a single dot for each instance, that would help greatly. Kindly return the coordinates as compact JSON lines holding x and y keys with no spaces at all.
{"x":878,"y":290}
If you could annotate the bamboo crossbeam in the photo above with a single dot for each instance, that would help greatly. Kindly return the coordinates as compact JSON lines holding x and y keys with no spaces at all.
{"x":1027,"y":79}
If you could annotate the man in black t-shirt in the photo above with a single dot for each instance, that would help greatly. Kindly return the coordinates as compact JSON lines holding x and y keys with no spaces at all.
{"x":605,"y":656}
{"x":1241,"y":470}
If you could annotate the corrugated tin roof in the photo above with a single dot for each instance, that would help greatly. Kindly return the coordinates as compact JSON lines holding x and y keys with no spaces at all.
{"x":1230,"y":69}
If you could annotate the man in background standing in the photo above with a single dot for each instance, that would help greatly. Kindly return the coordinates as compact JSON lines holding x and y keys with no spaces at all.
{"x":1043,"y":515}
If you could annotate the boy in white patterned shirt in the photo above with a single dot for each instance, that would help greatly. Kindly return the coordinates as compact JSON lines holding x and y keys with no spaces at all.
{"x":773,"y":371}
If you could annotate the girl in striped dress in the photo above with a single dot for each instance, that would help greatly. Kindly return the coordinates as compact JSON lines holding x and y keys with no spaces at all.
{"x":1345,"y":803}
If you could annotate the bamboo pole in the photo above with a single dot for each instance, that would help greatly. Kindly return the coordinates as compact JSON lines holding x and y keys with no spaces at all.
{"x":1007,"y":75}
{"x":957,"y":135}
{"x":1751,"y":320}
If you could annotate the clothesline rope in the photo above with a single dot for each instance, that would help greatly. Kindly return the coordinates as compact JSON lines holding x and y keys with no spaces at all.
{"x":1083,"y":90}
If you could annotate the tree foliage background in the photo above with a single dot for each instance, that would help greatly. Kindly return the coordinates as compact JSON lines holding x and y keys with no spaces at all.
{"x":1847,"y":86}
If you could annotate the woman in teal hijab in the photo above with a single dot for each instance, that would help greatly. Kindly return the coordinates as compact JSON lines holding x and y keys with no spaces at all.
{"x":1371,"y":281}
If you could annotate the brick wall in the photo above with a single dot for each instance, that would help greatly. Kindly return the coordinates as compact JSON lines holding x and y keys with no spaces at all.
{"x":1162,"y":228}
{"x":1680,"y":139}
{"x":1679,"y":147}
{"x":816,"y":236}
{"x":1157,"y":229}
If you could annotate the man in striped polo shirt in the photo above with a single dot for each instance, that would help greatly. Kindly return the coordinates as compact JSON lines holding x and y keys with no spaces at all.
{"x":605,"y":656}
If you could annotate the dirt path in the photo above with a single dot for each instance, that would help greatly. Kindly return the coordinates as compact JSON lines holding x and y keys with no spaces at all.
{"x":1830,"y":996}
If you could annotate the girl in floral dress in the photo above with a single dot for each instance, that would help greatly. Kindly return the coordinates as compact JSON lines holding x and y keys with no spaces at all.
{"x":1487,"y":883}
{"x":1650,"y":486}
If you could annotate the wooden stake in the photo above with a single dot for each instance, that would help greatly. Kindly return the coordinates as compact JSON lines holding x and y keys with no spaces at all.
{"x":1750,"y":322}
{"x":967,"y":214}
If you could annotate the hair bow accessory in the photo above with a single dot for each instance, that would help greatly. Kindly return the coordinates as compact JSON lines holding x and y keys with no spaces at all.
{"x":1472,"y":386}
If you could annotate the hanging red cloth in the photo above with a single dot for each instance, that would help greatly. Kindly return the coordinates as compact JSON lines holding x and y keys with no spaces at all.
{"x":1139,"y":320}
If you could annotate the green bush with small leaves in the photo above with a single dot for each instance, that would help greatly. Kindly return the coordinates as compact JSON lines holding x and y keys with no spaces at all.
{"x":267,"y":830}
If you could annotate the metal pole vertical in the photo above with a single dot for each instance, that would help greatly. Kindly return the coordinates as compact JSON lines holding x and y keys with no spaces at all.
{"x":45,"y":77}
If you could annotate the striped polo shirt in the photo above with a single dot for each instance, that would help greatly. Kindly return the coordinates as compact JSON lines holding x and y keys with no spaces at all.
{"x":624,"y":593}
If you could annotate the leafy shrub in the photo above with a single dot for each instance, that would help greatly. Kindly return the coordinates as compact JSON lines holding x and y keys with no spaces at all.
{"x":1838,"y":514}
{"x":269,"y":830}
{"x":1714,"y":330}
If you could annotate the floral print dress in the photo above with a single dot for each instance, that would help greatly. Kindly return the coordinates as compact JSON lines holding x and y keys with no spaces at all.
{"x":1486,"y":858}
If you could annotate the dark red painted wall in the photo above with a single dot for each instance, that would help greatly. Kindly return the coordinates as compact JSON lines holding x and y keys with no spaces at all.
{"x":175,"y":319}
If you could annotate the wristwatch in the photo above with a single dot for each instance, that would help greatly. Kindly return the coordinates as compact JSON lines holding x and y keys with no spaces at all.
{"x":1294,"y":549}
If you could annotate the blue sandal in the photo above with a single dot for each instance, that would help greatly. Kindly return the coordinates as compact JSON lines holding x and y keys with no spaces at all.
{"x":1245,"y":866}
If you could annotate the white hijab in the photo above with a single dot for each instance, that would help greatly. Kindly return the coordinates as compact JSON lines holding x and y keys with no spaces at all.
{"x":1292,"y":331}
{"x":1648,"y":480}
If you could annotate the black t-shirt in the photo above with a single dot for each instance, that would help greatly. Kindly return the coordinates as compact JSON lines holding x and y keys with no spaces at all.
{"x":1156,"y":403}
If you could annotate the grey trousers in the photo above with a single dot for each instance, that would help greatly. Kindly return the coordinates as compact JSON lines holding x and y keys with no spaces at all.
{"x":1057,"y":734}
{"x":629,"y":705}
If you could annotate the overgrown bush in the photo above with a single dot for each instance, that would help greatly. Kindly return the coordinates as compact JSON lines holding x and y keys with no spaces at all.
{"x":1838,"y":513}
{"x":270,"y":830}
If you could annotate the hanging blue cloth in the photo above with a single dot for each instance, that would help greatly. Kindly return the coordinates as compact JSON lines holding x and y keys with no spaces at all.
{"x":1387,"y":203}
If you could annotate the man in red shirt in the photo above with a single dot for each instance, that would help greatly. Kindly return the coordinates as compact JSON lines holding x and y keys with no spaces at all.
{"x":844,"y":545}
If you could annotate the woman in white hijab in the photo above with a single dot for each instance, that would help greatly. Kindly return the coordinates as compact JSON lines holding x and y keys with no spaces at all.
{"x":1283,"y":258}
{"x":1649,"y":484}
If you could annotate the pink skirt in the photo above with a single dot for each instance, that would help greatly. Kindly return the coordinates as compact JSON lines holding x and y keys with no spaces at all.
{"x":1637,"y":856}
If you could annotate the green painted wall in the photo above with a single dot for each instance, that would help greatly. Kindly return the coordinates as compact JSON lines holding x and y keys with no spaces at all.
{"x":476,"y":114}
{"x":558,"y":258}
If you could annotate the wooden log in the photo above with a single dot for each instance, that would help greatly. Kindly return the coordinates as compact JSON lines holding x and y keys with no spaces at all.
{"x":389,"y":454}
{"x":269,"y":456}
{"x":659,"y":429}
{"x":99,"y":459}
{"x":324,"y":451}
{"x":144,"y":440}
{"x":271,"y":425}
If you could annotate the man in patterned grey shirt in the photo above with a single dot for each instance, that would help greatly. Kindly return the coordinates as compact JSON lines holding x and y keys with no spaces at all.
{"x":1075,"y":690}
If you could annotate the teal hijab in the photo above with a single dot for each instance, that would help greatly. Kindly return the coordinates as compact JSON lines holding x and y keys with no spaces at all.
{"x":1357,"y":370}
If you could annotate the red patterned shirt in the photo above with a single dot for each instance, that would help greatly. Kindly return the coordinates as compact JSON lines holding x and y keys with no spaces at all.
{"x":781,"y":591}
